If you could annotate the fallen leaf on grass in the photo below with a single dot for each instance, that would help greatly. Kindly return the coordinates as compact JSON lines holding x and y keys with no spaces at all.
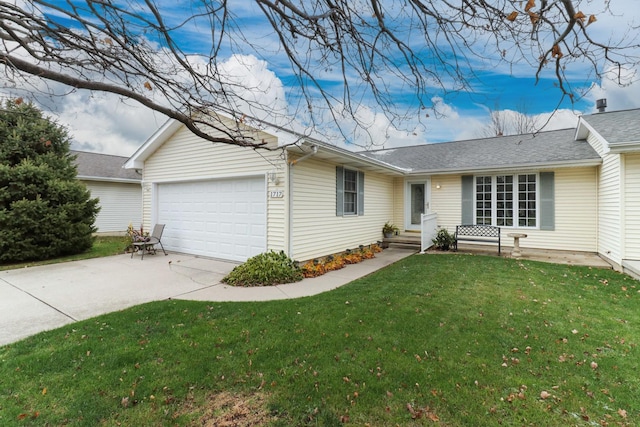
{"x":544,"y":395}
{"x":622,"y":413}
{"x":422,"y":412}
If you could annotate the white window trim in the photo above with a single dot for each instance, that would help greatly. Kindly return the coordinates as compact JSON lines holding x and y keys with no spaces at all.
{"x":494,"y":207}
{"x":344,"y":192}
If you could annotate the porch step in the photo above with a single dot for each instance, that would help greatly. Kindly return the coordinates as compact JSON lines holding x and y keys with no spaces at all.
{"x":404,"y":241}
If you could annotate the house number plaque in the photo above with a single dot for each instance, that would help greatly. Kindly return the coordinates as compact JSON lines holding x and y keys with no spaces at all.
{"x":278,"y":194}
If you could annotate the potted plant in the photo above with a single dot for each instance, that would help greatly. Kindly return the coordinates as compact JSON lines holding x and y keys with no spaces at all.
{"x":389,"y":229}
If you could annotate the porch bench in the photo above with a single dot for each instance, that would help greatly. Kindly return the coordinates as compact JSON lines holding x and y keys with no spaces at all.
{"x":477,"y":233}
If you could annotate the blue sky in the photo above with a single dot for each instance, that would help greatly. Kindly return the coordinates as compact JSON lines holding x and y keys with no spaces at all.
{"x":105,"y":123}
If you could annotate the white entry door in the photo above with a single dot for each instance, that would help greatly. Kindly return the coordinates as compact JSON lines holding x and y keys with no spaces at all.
{"x":223,"y":218}
{"x":416,"y":203}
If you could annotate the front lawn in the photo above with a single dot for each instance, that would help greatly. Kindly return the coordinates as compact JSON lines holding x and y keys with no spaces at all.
{"x":443,"y":339}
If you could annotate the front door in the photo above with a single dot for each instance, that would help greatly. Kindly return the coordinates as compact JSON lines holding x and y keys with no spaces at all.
{"x":416,"y":203}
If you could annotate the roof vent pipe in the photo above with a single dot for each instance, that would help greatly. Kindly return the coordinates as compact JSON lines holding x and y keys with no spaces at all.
{"x":601,"y":105}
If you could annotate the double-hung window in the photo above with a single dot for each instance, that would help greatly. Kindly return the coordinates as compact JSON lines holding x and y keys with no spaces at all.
{"x":349,"y":192}
{"x":507,"y":200}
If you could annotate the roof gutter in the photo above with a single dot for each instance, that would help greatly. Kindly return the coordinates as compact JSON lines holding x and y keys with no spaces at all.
{"x":314,"y":151}
{"x":103,"y":179}
{"x":624,"y":147}
{"x":497,"y":168}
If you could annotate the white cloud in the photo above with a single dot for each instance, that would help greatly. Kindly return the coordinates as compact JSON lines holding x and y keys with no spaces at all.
{"x":107,"y":123}
{"x":253,"y":84}
{"x":620,"y":95}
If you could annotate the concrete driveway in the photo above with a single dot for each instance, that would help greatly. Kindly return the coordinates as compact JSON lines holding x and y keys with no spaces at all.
{"x":41,"y":298}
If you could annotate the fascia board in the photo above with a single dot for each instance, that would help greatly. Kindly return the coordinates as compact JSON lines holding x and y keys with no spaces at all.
{"x":511,"y":168}
{"x":101,"y":179}
{"x":584,"y":129}
{"x":625,"y":147}
{"x":159,"y":137}
{"x":358,"y":158}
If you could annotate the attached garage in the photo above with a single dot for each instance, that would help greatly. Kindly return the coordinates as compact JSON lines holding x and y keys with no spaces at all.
{"x":220,"y":218}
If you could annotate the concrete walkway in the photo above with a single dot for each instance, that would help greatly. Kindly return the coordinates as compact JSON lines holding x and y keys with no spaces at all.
{"x":41,"y":298}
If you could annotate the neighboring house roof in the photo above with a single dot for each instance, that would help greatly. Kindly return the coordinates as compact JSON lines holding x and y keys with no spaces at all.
{"x":545,"y":149}
{"x":103,"y":167}
{"x":619,"y":130}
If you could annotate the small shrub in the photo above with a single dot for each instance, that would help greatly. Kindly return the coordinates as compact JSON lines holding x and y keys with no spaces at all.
{"x":318,"y":267}
{"x":444,"y":240}
{"x":367,"y":253}
{"x":313,"y":268}
{"x":335,"y":262}
{"x":266,"y":269}
{"x":352,"y":258}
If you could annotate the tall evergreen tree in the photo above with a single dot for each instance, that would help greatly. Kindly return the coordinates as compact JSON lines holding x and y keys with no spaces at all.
{"x":45,"y":211}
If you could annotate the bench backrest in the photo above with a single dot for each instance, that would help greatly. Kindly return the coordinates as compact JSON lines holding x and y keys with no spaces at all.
{"x":478,"y":230}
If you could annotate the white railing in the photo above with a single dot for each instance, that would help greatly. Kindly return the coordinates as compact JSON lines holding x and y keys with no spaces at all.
{"x":428,"y":231}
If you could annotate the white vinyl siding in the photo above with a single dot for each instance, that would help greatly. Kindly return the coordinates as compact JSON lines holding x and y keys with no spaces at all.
{"x":120,"y":205}
{"x":317,"y":230}
{"x":185,"y":157}
{"x":598,"y":145}
{"x":398,"y":203}
{"x":445,"y":201}
{"x":610,"y":208}
{"x":632,"y":207}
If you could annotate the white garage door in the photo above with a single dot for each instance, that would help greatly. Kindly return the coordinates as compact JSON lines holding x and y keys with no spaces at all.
{"x":221,"y":218}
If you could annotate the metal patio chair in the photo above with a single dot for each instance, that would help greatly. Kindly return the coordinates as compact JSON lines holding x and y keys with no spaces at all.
{"x":148,"y":245}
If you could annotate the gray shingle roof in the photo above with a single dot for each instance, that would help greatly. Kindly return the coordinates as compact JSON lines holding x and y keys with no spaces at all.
{"x":103,"y":167}
{"x":616,"y":126}
{"x":543,"y":149}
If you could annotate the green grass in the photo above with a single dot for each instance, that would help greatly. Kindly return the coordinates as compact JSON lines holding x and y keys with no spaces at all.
{"x":102,"y":246}
{"x":465,"y":340}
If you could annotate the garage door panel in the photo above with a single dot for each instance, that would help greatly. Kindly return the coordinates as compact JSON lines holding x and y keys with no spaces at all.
{"x":219,"y":218}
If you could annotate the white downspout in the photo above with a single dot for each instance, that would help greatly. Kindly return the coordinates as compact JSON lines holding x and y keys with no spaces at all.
{"x":313,"y":152}
{"x":290,"y":165}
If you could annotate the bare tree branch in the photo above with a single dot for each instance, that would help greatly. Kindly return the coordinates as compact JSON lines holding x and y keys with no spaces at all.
{"x":393,"y":55}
